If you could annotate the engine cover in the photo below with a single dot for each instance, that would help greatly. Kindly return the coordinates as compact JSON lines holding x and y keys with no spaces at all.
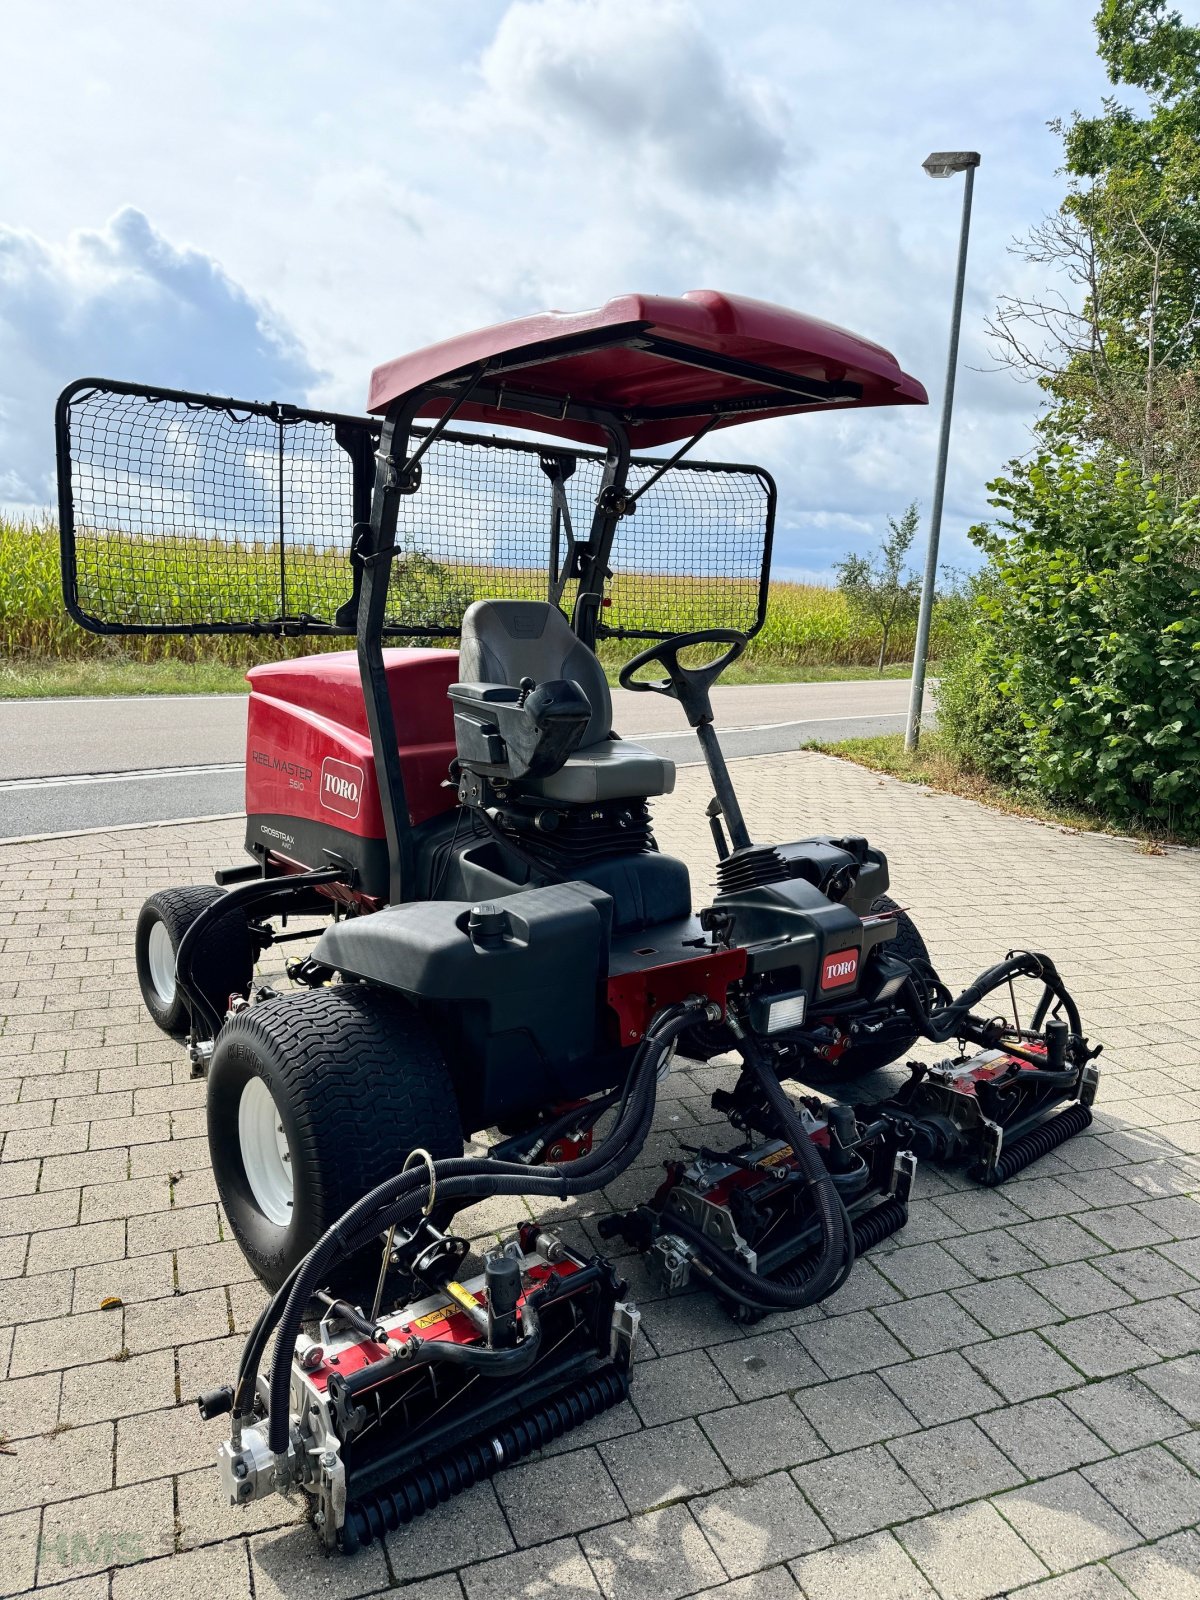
{"x":311,"y":784}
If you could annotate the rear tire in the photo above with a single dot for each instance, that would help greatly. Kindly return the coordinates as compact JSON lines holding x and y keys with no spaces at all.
{"x":313,"y":1100}
{"x":223,"y":963}
{"x":863,"y":1059}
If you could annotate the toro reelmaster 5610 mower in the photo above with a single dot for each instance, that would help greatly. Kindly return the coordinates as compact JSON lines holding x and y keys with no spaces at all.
{"x":506,"y":947}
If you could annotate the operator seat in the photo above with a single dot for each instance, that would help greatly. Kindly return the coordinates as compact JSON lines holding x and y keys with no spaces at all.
{"x":504,"y":641}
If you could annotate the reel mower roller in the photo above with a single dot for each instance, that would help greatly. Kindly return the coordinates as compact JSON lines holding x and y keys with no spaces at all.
{"x":465,"y":848}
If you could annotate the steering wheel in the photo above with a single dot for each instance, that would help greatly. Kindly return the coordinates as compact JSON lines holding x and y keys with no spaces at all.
{"x":688,"y":685}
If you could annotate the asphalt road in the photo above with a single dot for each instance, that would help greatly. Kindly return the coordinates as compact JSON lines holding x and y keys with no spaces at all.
{"x":67,"y":765}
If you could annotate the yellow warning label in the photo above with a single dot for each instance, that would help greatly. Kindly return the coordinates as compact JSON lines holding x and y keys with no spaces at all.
{"x":442,"y":1314}
{"x":464,"y":1296}
{"x":775,"y":1157}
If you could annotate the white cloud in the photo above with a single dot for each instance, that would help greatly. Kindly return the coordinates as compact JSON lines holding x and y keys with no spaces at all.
{"x":647,"y":80}
{"x":123,"y":302}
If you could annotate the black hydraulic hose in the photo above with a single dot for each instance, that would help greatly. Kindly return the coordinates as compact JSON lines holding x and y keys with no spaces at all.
{"x":581,"y":1118}
{"x":403,"y":1197}
{"x":755,"y":1291}
{"x":947,"y":1021}
{"x":484,"y":1359}
{"x":246,"y":894}
{"x":837,"y":1234}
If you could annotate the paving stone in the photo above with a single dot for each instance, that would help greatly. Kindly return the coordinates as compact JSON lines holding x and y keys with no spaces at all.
{"x":559,"y":1569}
{"x":861,"y":1491}
{"x":94,"y":1336}
{"x":1125,"y":1413}
{"x":143,"y":1278}
{"x":1094,"y":1582}
{"x":934,"y":1322}
{"x":467,"y":1529}
{"x":660,"y":1555}
{"x":1099,"y":1346}
{"x":970,"y":1553}
{"x":1066,"y":1521}
{"x":1168,"y":1570}
{"x":220,"y":1570}
{"x":855,"y":1411}
{"x":58,"y":1466}
{"x":692,"y":1322}
{"x":954,"y":1463}
{"x":117,"y":1388}
{"x":659,"y":1465}
{"x":1177,"y":1215}
{"x":768,"y":1363}
{"x":1178,"y":1383}
{"x":76,"y":1247}
{"x":855,"y":1343}
{"x":757,"y":1524}
{"x":158,"y":1443}
{"x":992,"y":1255}
{"x":1042,"y":1437}
{"x":776,"y":1583}
{"x":283,"y":1563}
{"x":1043,"y":1197}
{"x":36,"y":1299}
{"x":923,"y":1269}
{"x":941,"y":1388}
{"x":1007,"y":1306}
{"x":1145,"y":1274}
{"x":29,"y":1406}
{"x":1123,"y":1228}
{"x":1151,"y":1488}
{"x":1056,"y":1240}
{"x":680,"y":1386}
{"x":105,"y":1201}
{"x":865,"y":1289}
{"x":18,"y":1551}
{"x":182,"y":1319}
{"x":877,"y":1566}
{"x":13,"y":1251}
{"x":205,"y":1514}
{"x":1077,"y":1289}
{"x":1022,"y":1366}
{"x":171,"y":1230}
{"x":547,"y":1499}
{"x":1166,"y":1326}
{"x":105,"y":1530}
{"x":761,"y":1436}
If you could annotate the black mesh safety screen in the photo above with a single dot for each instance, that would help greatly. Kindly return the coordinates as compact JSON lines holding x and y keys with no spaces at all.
{"x":187,"y":514}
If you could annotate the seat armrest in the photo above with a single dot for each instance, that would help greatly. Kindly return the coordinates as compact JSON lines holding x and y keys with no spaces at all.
{"x":484,"y":693}
{"x":504,"y":732}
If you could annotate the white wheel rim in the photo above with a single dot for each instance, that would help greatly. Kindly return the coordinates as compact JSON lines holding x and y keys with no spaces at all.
{"x":160,"y":957}
{"x":265,"y":1152}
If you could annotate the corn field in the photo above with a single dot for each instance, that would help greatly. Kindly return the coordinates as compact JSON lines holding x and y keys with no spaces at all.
{"x":807,"y":624}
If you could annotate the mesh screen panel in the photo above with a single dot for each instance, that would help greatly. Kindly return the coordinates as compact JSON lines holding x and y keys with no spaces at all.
{"x":186,"y":514}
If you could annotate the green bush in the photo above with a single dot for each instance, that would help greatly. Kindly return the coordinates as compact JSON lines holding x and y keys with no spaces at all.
{"x":1079,"y":668}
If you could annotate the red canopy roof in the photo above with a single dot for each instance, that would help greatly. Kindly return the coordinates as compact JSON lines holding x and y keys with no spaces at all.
{"x":663,"y":365}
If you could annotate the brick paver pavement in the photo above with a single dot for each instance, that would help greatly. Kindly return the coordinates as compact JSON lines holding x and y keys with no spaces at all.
{"x":1001,"y":1401}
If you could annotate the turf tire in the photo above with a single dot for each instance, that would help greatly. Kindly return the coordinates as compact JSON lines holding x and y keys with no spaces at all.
{"x":863,"y":1059}
{"x":223,"y":963}
{"x":358,"y":1082}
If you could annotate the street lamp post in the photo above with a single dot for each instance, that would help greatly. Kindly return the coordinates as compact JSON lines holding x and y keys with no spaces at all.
{"x":941,"y":164}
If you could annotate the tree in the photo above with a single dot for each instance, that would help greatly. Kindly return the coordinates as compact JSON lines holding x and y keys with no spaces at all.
{"x":1114,"y":338}
{"x":881,"y":590}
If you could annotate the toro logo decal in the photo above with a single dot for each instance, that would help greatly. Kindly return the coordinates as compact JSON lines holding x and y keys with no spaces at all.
{"x":839,"y":969}
{"x":341,"y":787}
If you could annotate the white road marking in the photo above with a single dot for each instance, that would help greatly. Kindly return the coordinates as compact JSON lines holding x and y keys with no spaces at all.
{"x":66,"y":781}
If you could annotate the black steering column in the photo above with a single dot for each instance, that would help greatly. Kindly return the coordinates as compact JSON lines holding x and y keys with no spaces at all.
{"x":690,"y":686}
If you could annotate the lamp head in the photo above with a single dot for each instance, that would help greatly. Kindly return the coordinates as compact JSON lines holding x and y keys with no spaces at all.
{"x":945,"y":163}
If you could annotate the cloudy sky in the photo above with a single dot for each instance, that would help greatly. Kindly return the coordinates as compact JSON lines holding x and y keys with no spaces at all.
{"x":266,"y":200}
